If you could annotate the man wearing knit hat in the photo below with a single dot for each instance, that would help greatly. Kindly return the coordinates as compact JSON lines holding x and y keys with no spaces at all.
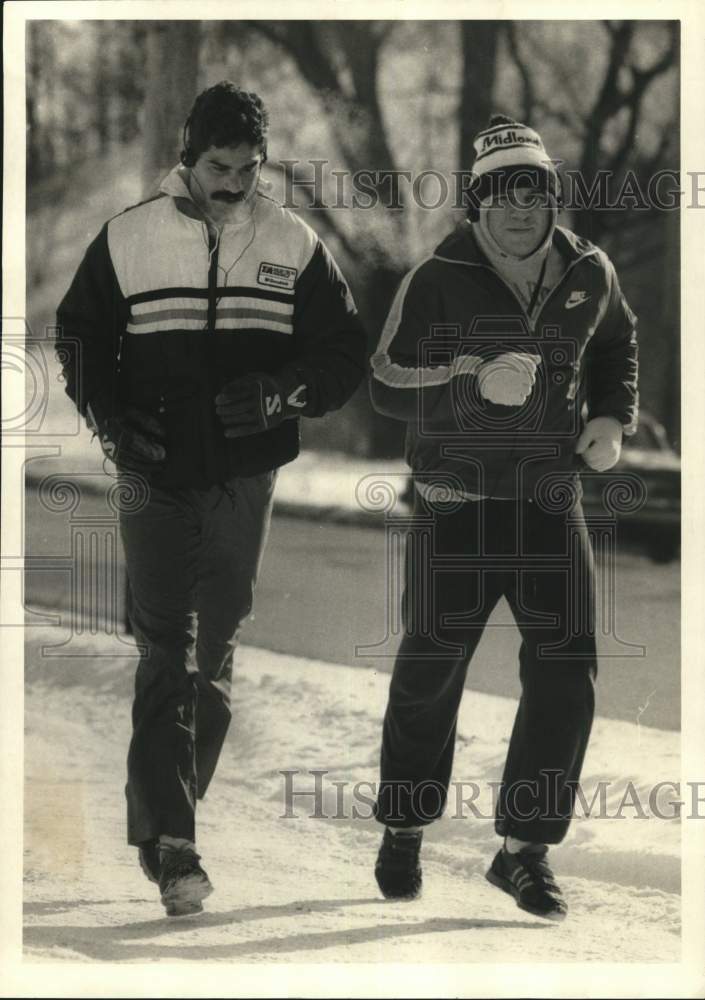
{"x":511,"y":354}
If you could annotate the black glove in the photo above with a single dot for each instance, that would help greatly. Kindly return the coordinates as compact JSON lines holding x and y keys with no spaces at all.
{"x":258,"y":402}
{"x":132,"y":439}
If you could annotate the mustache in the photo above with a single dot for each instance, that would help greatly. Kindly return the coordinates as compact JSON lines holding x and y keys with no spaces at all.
{"x":228,"y":196}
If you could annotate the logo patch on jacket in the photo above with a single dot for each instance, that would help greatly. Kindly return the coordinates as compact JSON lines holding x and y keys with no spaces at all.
{"x":576,"y":299}
{"x":277,"y":276}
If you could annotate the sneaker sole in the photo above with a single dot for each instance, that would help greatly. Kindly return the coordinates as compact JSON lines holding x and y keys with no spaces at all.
{"x":185,"y":898}
{"x":506,"y":886}
{"x":406,"y":897}
{"x":400,"y":896}
{"x":184,"y":909}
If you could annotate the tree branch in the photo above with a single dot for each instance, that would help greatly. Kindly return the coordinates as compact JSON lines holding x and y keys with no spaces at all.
{"x":633,"y":98}
{"x":645,"y":76}
{"x":356,"y":120}
{"x":321,"y":213}
{"x":479,"y":54}
{"x":529,"y":96}
{"x":609,"y":99}
{"x":300,"y":40}
{"x":571,"y":123}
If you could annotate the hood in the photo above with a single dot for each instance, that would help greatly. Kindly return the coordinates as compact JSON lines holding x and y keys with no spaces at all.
{"x":461,"y":246}
{"x":175,"y":184}
{"x":494,"y":251}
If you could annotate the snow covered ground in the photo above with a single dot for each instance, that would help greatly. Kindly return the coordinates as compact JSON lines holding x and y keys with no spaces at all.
{"x":301,"y":889}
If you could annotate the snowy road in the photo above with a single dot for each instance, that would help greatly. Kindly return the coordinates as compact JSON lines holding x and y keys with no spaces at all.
{"x":301,"y":889}
{"x":339,"y":604}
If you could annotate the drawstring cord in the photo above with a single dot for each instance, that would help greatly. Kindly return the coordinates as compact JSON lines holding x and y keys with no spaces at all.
{"x":231,"y":494}
{"x":226,"y":491}
{"x":212,"y":250}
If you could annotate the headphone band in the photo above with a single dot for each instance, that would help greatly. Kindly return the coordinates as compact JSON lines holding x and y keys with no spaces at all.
{"x":188,"y":155}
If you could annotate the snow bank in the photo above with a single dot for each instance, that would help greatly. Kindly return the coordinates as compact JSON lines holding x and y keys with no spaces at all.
{"x":301,"y":889}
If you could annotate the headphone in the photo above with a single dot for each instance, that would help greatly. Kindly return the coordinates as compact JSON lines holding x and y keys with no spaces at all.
{"x":188,"y":153}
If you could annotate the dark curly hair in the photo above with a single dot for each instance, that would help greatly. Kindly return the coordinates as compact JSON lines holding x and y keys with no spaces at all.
{"x":224,"y":115}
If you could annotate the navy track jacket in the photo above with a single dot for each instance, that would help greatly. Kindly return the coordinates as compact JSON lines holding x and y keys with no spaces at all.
{"x":161,"y":315}
{"x":452,"y":313}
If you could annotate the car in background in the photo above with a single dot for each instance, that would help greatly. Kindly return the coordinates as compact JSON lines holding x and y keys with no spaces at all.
{"x":649,"y":462}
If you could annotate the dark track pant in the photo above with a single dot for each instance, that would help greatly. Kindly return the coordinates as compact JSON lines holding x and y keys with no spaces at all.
{"x":192,"y":561}
{"x":542,"y":563}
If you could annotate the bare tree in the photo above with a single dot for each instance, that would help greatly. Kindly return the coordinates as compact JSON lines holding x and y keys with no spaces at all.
{"x":341,"y":62}
{"x":606,"y":129}
{"x":605,"y":84}
{"x":479,"y":48}
{"x":622,"y":135}
{"x":172,"y":75}
{"x":103,"y":75}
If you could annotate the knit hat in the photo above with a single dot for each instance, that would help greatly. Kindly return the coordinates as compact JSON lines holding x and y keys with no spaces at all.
{"x":509,"y":155}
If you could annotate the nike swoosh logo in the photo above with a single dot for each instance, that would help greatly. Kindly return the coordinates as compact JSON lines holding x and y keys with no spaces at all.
{"x":572,"y":303}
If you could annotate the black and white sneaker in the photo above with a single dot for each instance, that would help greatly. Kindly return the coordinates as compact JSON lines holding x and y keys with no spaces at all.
{"x":397,"y":871}
{"x":182,"y":882}
{"x":528,"y":878}
{"x":148,"y":854}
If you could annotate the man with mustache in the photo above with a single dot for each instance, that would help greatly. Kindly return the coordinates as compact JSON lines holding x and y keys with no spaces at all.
{"x":200,"y":326}
{"x":511,"y":354}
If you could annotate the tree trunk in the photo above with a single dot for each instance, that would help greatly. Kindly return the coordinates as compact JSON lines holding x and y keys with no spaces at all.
{"x":479,"y":47}
{"x":102,"y":83}
{"x":34,"y":144}
{"x":172,"y":77}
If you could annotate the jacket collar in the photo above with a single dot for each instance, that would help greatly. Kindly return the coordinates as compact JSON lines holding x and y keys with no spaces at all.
{"x":175,"y":184}
{"x":461,"y":246}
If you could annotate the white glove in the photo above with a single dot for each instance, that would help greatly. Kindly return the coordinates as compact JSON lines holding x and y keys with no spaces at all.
{"x":600,"y":444}
{"x":508,"y":379}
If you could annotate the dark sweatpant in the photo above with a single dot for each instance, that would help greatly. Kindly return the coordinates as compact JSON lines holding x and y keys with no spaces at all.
{"x":541,"y":562}
{"x":192,"y":560}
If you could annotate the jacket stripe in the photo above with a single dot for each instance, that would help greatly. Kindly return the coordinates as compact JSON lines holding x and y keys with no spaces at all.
{"x":436,"y":493}
{"x":164,"y":314}
{"x":161,"y":315}
{"x":262,"y":314}
{"x":155,"y":295}
{"x":230,"y":328}
{"x":253,"y":319}
{"x":407,"y":376}
{"x":392,"y":324}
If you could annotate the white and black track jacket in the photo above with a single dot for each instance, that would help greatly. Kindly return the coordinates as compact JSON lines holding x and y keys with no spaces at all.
{"x":161,"y":314}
